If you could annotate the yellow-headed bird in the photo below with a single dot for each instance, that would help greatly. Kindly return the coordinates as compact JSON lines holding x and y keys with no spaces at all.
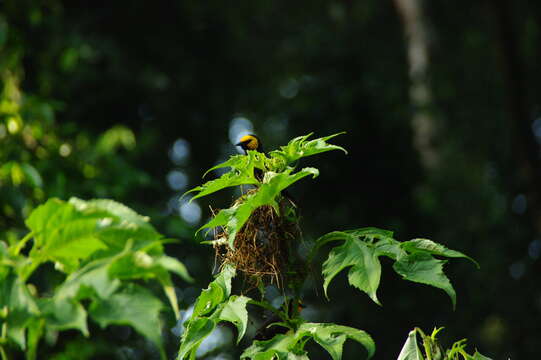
{"x":250,"y":142}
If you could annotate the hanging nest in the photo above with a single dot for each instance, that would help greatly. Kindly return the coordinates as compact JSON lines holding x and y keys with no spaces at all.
{"x":265,"y":247}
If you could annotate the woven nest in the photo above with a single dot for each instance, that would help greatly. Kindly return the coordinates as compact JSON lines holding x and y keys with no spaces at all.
{"x":265,"y":247}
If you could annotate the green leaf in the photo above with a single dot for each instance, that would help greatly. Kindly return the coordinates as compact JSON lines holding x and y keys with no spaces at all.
{"x":276,"y":348}
{"x":94,"y":277}
{"x":410,"y":350}
{"x":431,"y":247}
{"x":216,"y":293}
{"x":478,"y":356}
{"x":365,"y":269}
{"x":235,"y":312}
{"x":175,"y":266}
{"x":226,"y":180}
{"x":235,"y":217}
{"x":330,"y":336}
{"x":134,"y":306}
{"x":301,"y":147}
{"x":423,"y":268}
{"x":63,"y":314}
{"x":21,"y":308}
{"x":367,"y":232}
{"x":194,"y":335}
{"x":63,"y":235}
{"x":128,"y":217}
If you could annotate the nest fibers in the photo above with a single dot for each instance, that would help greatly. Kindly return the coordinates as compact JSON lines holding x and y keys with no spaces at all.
{"x":265,"y":247}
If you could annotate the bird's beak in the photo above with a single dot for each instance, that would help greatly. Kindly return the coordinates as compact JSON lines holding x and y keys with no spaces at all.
{"x":240,"y":143}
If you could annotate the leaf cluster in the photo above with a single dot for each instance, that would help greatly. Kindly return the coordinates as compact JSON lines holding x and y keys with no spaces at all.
{"x":104,"y":249}
{"x":360,"y":251}
{"x":431,"y":349}
{"x":279,"y":173}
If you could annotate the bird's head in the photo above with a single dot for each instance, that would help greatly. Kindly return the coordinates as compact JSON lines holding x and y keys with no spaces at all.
{"x":250,"y":142}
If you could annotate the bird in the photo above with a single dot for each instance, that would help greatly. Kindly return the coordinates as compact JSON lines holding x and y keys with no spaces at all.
{"x":252,"y":142}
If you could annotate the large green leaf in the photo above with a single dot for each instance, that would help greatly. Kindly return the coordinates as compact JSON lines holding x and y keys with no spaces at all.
{"x":63,"y":314}
{"x":365,"y":271}
{"x":133,"y":305}
{"x":410,"y":350}
{"x":91,"y":279}
{"x":234,"y":311}
{"x":362,"y":247}
{"x":424,"y":269}
{"x":330,"y":336}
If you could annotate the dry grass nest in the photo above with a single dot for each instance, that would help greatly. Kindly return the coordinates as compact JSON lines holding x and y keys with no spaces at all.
{"x":265,"y":247}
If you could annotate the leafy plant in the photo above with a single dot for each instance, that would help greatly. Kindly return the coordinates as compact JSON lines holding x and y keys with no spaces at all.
{"x":432,"y":349}
{"x":105,"y":250}
{"x":256,"y":221}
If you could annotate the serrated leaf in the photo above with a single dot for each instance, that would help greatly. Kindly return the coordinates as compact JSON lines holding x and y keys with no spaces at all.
{"x":134,"y":306}
{"x":431,"y":247}
{"x":226,"y":180}
{"x":365,"y":271}
{"x":330,"y":336}
{"x":276,"y":348}
{"x":301,"y":147}
{"x":410,"y":350}
{"x":367,"y":232}
{"x":234,"y":311}
{"x":235,"y":217}
{"x":194,"y":335}
{"x":478,"y":356}
{"x":216,"y":293}
{"x":423,"y":268}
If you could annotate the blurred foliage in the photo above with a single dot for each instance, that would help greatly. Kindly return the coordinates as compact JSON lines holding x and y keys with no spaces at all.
{"x":188,"y":71}
{"x":102,"y":248}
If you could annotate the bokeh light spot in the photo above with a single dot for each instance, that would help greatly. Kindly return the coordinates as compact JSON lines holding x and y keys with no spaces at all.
{"x":180,"y":151}
{"x":519,"y":205}
{"x":177,"y":180}
{"x":290,"y":88}
{"x":534,"y":249}
{"x":517,"y":270}
{"x":239,"y":127}
{"x":190,"y":212}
